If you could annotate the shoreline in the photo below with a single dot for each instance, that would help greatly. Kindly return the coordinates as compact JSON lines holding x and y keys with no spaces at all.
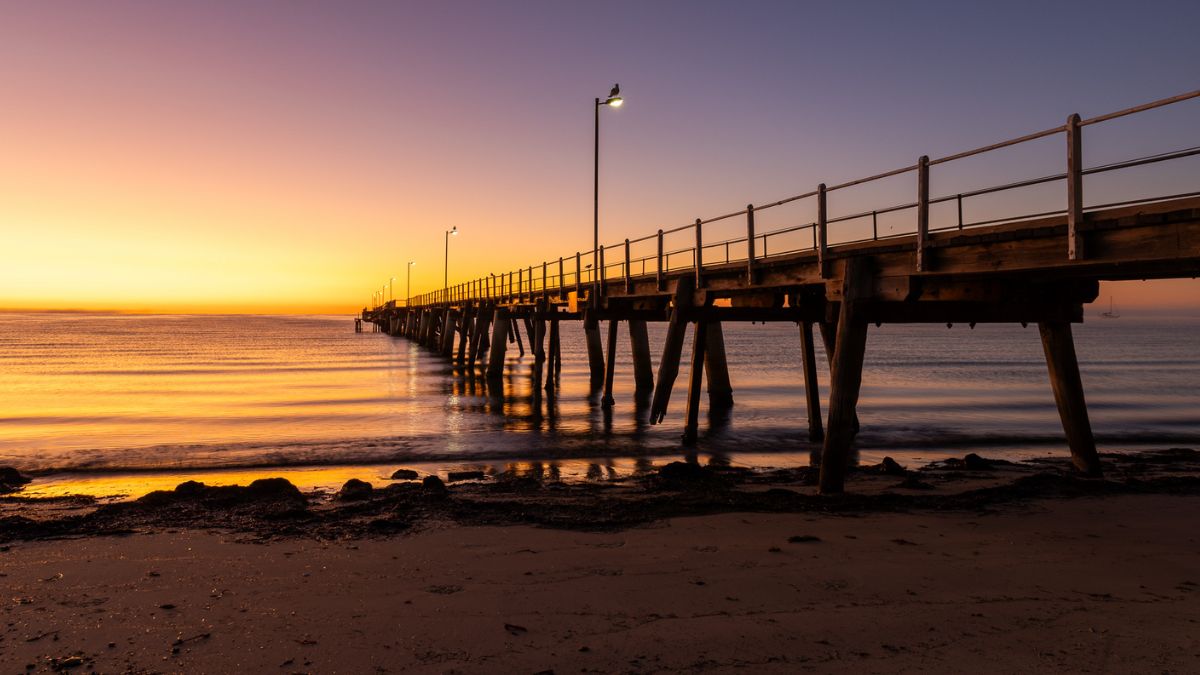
{"x":535,"y":493}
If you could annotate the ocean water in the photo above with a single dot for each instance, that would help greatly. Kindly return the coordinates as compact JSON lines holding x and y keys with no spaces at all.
{"x":98,"y":393}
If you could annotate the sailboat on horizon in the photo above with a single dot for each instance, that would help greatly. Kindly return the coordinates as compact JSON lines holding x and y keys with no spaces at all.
{"x":1112,"y":312}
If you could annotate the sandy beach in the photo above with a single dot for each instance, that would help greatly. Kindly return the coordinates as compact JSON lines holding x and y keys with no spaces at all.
{"x":1016,"y":568}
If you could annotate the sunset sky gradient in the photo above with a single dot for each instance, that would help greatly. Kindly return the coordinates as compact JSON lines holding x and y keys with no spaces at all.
{"x":292,"y":156}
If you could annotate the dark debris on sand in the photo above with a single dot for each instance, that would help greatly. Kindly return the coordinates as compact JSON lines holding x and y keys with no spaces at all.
{"x":274,"y":507}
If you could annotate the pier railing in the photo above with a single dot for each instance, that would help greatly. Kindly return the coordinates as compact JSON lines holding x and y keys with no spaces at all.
{"x":615,"y":264}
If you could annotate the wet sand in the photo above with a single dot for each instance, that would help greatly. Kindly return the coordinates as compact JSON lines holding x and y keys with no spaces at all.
{"x":992,"y":570}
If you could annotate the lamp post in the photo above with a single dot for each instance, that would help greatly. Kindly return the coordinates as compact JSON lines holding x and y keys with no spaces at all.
{"x":391,"y":295}
{"x":614,"y":100}
{"x":408,"y":285}
{"x":446,"y":265}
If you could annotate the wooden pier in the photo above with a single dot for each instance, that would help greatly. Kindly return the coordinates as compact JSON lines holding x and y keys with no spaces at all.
{"x":1022,"y":268}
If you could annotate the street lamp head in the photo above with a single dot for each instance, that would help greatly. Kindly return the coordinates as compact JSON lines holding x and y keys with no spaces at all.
{"x":454,"y":230}
{"x":412,"y":262}
{"x":614,"y":99}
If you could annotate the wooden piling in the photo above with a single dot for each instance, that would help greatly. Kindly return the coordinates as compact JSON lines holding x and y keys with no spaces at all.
{"x":639,"y":342}
{"x":500,"y":325}
{"x":695,"y":380}
{"x":610,"y":366}
{"x":829,"y":339}
{"x":846,"y":380}
{"x":1059,"y":346}
{"x":591,"y":332}
{"x":515,"y":334}
{"x":812,"y":389}
{"x":720,"y":391}
{"x":466,"y":325}
{"x":554,"y":359}
{"x":538,"y":347}
{"x":668,"y":366}
{"x":482,"y":321}
{"x":447,"y":338}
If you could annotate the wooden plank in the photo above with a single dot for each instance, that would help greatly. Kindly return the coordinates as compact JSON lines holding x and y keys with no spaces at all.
{"x":1063,"y":366}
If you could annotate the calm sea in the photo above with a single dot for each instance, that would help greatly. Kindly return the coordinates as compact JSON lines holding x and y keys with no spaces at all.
{"x":92,"y":393}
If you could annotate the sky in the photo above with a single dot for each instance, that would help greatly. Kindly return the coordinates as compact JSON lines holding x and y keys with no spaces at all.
{"x":294,"y":156}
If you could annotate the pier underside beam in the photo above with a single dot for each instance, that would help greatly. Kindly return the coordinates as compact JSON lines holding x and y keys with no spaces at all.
{"x":1059,"y":346}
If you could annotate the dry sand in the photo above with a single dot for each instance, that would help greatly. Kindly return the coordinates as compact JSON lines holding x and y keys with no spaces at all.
{"x":1095,"y":584}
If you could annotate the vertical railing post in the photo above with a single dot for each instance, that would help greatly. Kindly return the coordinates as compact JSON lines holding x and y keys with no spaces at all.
{"x":628,"y":271}
{"x":578,"y":275}
{"x":520,"y":285}
{"x":749,"y":244}
{"x":922,"y":212}
{"x":1074,"y":188}
{"x":874,"y":226}
{"x":544,"y":280}
{"x":562,"y":291}
{"x":699,"y":254}
{"x":958,"y":199}
{"x":822,"y":235}
{"x":530,"y":275}
{"x":658,"y":275}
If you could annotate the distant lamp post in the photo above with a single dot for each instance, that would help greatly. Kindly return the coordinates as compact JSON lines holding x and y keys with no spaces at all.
{"x":614,"y":100}
{"x":408,"y":284}
{"x":446,"y":266}
{"x":391,"y":295}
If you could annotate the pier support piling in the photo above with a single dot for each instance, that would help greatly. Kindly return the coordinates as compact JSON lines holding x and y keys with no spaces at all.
{"x":610,"y":366}
{"x":812,"y":389}
{"x":695,"y":381}
{"x":553,"y":359}
{"x":500,"y":325}
{"x":668,"y":366}
{"x":591,"y":332}
{"x":639,"y":342}
{"x":846,"y":380}
{"x":720,"y":392}
{"x":465,"y":327}
{"x":1059,"y":346}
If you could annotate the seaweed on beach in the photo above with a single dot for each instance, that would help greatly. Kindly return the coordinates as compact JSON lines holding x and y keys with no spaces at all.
{"x":275,"y":508}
